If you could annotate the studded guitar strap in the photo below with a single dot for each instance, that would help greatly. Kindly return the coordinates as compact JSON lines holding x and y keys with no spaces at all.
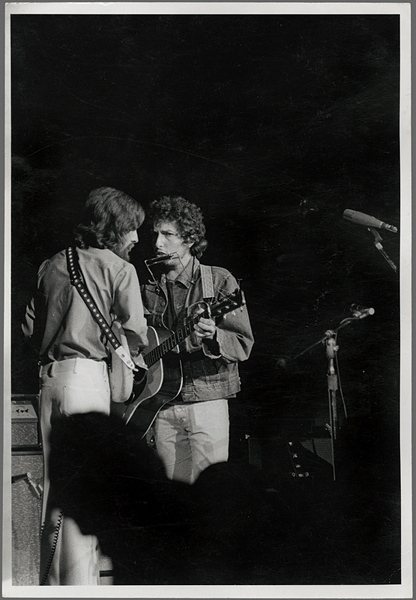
{"x":76,"y":280}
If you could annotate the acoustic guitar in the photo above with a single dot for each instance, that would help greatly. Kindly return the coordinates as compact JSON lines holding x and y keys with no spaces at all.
{"x":162,"y":380}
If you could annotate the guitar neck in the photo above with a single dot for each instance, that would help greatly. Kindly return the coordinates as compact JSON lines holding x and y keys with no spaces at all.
{"x":167,"y":345}
{"x":226,"y":305}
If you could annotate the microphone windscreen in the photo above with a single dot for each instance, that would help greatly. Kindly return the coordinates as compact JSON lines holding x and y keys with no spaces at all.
{"x":361,"y":218}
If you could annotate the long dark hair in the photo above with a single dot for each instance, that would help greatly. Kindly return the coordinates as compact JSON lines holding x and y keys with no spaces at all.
{"x":108,"y":215}
{"x":187,"y":216}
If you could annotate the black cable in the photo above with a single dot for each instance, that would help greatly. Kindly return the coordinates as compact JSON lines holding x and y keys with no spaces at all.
{"x":54,"y":544}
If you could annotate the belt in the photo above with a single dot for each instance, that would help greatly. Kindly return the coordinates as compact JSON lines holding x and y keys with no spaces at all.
{"x":74,"y":365}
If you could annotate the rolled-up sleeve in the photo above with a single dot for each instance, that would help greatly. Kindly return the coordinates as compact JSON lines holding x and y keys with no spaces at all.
{"x":28,"y":324}
{"x":34,"y":319}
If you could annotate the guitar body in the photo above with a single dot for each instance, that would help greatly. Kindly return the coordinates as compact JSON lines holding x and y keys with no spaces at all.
{"x":162,"y":380}
{"x":154,"y":387}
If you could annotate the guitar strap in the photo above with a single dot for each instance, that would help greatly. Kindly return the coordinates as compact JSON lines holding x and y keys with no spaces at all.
{"x":75,"y":274}
{"x":207,"y":283}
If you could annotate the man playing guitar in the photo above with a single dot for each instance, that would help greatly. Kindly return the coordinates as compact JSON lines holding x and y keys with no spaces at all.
{"x":201,"y":372}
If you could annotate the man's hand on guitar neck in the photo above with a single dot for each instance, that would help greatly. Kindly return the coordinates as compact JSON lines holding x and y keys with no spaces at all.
{"x":206,"y":329}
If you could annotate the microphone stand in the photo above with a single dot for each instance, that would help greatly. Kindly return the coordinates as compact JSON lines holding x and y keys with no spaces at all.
{"x":332,"y":379}
{"x":379,"y":246}
{"x":332,"y":347}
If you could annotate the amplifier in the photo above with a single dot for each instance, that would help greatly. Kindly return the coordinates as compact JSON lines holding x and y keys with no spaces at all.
{"x":27,"y":473}
{"x":25,"y":424}
{"x":26,"y":501}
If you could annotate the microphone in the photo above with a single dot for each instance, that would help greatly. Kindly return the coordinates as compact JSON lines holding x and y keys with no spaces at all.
{"x":363,"y":219}
{"x":160,"y":258}
{"x":361,"y":312}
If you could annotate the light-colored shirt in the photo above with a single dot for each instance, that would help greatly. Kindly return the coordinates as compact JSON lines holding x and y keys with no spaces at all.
{"x":60,"y":324}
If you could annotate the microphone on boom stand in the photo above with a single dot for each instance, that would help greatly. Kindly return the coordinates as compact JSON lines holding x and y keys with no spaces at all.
{"x":368,"y":221}
{"x":360,"y":312}
{"x":372,"y":225}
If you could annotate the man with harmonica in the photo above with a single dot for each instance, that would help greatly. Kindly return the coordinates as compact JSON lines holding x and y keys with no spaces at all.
{"x":204,"y":308}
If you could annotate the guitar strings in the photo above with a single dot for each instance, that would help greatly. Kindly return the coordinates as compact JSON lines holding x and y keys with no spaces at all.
{"x":186,"y":329}
{"x":154,"y":355}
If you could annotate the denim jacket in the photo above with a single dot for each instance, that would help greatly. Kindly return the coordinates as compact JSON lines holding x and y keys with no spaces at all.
{"x":210,"y":370}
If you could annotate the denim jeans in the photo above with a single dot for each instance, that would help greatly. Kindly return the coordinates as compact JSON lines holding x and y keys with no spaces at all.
{"x":68,"y":387}
{"x":192,"y":436}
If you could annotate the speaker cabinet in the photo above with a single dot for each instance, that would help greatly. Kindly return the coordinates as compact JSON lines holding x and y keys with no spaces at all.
{"x":27,"y":476}
{"x":27,"y":472}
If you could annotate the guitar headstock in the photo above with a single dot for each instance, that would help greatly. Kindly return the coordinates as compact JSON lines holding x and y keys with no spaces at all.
{"x":228,"y":304}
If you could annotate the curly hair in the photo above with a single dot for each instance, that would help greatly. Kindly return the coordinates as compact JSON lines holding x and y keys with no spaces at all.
{"x":187,"y":216}
{"x":108,"y":215}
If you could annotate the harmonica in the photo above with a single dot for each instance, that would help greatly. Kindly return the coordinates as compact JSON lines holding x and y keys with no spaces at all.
{"x":160,"y":258}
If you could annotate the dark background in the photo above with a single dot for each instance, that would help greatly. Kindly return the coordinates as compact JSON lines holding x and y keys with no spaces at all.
{"x":273,"y":125}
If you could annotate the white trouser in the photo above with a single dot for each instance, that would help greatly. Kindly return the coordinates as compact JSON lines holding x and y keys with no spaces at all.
{"x":190,"y":437}
{"x":68,"y":387}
